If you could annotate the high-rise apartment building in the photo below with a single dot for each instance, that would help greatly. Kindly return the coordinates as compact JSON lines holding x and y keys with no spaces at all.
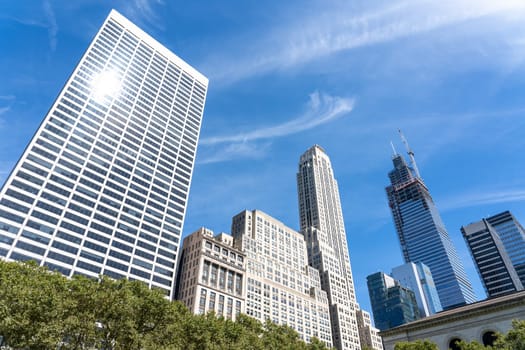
{"x":492,"y":262}
{"x":418,"y":278}
{"x":512,"y":235}
{"x":392,"y":303}
{"x":212,"y":275}
{"x":281,"y":286}
{"x":423,"y":235}
{"x":322,"y":225}
{"x":102,"y":187}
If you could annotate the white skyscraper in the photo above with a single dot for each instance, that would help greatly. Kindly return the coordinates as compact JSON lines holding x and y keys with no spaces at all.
{"x":280,"y":285}
{"x":102,"y":186}
{"x":322,"y":225}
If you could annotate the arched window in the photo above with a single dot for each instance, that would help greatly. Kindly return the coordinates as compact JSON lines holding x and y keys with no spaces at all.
{"x":453,"y":344}
{"x":488,"y":338}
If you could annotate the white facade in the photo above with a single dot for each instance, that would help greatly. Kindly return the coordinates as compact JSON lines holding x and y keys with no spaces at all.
{"x":418,"y":278}
{"x":281,"y":286}
{"x":322,"y":225}
{"x":212,"y":275}
{"x":102,"y":187}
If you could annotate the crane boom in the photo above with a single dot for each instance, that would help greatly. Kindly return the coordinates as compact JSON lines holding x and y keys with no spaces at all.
{"x":410,"y":153}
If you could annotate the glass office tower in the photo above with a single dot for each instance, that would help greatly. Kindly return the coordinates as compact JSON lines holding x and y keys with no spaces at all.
{"x":512,"y":235}
{"x":418,"y":278}
{"x":392,"y":303}
{"x":102,"y":187}
{"x":423,"y":236}
{"x":492,"y":261}
{"x":322,"y":225}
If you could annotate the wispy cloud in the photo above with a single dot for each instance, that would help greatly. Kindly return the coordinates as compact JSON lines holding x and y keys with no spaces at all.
{"x":321,"y":109}
{"x":483,"y":198}
{"x":52,"y":26}
{"x":4,"y":110}
{"x":236,"y":151}
{"x":332,"y":30}
{"x":143,"y":12}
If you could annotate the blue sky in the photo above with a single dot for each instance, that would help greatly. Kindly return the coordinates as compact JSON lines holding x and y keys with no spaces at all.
{"x":285,"y":75}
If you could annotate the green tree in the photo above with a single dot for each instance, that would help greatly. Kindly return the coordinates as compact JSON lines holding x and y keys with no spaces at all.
{"x":31,"y":305}
{"x":416,"y":345}
{"x":514,"y":339}
{"x":44,"y":310}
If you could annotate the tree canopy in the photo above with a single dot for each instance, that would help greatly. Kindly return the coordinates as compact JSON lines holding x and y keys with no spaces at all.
{"x":40,"y":309}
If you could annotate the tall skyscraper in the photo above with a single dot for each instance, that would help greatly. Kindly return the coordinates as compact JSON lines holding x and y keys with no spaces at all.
{"x":512,"y":235}
{"x":419,"y":279}
{"x":322,"y":225}
{"x":422,"y":234}
{"x":492,"y":262}
{"x":392,"y":303}
{"x":102,"y":186}
{"x":280,"y":285}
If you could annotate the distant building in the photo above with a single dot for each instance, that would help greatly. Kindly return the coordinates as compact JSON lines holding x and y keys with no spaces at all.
{"x":475,"y":322}
{"x":491,"y":259}
{"x":281,"y":286}
{"x":392,"y":303}
{"x":418,"y":278}
{"x":212,"y":275}
{"x":512,"y":235}
{"x":368,"y":335}
{"x":422,"y":234}
{"x":322,"y":224}
{"x":103,"y":185}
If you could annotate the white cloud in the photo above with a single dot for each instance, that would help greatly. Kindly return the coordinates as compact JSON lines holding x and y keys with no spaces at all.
{"x":322,"y":108}
{"x":143,"y":11}
{"x":236,"y":150}
{"x":51,"y":25}
{"x":4,"y":110}
{"x":483,"y":198}
{"x":330,"y":31}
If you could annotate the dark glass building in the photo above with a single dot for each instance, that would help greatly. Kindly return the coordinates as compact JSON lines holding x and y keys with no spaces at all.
{"x":423,"y":236}
{"x":392,"y":304}
{"x":491,"y":259}
{"x":512,"y":235}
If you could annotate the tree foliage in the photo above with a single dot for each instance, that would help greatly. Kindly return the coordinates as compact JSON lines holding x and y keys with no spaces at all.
{"x":40,"y":310}
{"x":416,"y":345}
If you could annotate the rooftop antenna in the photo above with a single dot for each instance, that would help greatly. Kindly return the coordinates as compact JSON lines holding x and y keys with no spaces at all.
{"x":410,"y":153}
{"x":393,"y":149}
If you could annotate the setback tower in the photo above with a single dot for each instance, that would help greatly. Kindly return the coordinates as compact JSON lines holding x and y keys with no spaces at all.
{"x":322,"y":225}
{"x":422,"y":234}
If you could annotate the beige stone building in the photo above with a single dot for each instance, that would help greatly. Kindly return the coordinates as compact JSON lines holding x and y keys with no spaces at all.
{"x":474,"y":322}
{"x":212,"y":275}
{"x":368,"y":334}
{"x":281,"y":286}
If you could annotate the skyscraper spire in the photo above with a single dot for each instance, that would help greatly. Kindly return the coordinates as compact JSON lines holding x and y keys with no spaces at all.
{"x":410,"y":154}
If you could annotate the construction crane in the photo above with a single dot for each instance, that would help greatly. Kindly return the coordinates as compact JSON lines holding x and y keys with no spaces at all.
{"x":410,"y":154}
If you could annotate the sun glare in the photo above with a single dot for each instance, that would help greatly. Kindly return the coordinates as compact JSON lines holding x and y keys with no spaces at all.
{"x":105,"y":84}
